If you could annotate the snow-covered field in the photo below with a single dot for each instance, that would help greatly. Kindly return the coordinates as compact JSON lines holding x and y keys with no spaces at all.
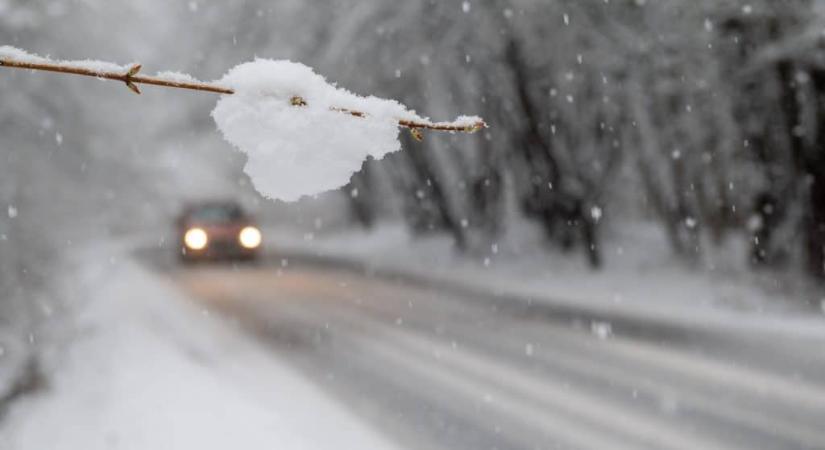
{"x":140,"y":367}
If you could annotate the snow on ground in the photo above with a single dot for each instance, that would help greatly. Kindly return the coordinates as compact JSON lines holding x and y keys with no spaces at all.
{"x":641,"y":278}
{"x":141,"y":368}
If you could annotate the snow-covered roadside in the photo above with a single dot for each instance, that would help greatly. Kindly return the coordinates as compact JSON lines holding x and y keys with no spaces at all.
{"x":641,"y":279}
{"x":140,"y":367}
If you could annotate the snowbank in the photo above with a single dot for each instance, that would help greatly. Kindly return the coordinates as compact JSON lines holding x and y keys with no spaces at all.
{"x":641,"y":279}
{"x":150,"y":371}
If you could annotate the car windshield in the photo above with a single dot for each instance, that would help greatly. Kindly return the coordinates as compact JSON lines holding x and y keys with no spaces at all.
{"x":412,"y":224}
{"x":217,"y":214}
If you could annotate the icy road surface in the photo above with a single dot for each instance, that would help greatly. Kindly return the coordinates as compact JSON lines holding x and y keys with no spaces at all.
{"x":436,"y":369}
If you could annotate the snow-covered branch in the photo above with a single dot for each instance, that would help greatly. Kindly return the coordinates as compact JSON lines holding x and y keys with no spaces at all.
{"x":302,"y":135}
{"x":11,"y":57}
{"x":130,"y":76}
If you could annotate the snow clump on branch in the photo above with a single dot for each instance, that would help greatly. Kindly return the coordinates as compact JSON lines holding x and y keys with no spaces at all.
{"x":295,"y":130}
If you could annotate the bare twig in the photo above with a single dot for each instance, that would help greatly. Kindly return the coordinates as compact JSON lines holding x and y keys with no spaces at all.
{"x":131,"y":78}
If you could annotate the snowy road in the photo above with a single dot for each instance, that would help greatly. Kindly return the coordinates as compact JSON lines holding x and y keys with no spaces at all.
{"x":435,"y":369}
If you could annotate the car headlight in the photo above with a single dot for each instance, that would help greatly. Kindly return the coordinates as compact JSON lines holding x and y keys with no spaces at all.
{"x":195,"y":238}
{"x":250,"y":237}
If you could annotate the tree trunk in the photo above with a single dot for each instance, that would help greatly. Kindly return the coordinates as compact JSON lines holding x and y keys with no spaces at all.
{"x":814,"y":169}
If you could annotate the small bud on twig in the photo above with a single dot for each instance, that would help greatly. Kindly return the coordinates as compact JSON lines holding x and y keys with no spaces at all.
{"x":133,"y":87}
{"x":133,"y":70}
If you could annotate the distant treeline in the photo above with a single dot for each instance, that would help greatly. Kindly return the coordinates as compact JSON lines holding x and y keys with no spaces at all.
{"x":705,"y":115}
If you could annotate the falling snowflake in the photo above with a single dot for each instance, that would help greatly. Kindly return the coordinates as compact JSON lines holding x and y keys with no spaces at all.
{"x":601,"y":330}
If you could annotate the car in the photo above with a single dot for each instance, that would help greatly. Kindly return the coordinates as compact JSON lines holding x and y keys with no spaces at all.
{"x":217,"y":230}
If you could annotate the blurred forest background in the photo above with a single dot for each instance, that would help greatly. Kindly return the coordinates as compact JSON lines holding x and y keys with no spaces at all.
{"x":704,"y":116}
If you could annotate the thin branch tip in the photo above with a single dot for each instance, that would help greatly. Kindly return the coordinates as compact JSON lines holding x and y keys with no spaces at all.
{"x":134,"y":70}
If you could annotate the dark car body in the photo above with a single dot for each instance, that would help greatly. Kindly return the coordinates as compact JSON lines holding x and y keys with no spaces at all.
{"x":222,"y":224}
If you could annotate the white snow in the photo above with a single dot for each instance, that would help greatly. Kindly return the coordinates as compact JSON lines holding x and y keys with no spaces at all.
{"x":296,"y":151}
{"x":177,"y":77}
{"x":8,"y":52}
{"x":462,"y":122}
{"x":641,"y":278}
{"x":146,"y":369}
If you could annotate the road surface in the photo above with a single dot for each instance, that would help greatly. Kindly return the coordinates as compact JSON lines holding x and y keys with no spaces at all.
{"x":443,"y":369}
